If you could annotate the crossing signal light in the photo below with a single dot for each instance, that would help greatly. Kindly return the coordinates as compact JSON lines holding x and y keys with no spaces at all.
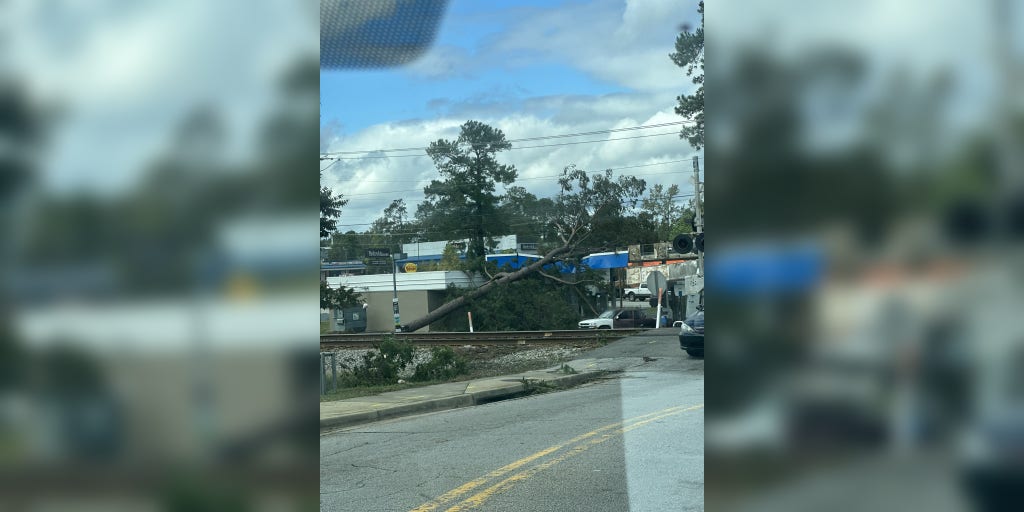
{"x":699,"y":242}
{"x":682,"y":243}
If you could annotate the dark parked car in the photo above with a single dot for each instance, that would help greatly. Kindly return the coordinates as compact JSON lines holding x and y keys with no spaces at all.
{"x":691,"y":334}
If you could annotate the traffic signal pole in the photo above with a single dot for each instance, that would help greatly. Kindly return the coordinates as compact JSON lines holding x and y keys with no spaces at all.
{"x":697,"y":212}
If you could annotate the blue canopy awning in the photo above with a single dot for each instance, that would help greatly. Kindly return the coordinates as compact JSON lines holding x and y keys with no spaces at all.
{"x":513,"y":261}
{"x":603,"y":260}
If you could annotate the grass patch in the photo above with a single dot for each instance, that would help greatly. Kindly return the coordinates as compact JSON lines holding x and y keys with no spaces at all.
{"x":537,"y":387}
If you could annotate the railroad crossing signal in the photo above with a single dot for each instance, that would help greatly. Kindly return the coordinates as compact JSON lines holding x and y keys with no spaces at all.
{"x":682,"y":243}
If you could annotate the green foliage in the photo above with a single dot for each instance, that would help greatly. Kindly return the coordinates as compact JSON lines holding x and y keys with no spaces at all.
{"x":592,"y":208}
{"x":568,"y":370}
{"x":524,"y":212}
{"x":536,"y":387}
{"x":381,"y":366}
{"x":344,"y":247}
{"x":684,"y":224}
{"x":464,"y":203}
{"x":330,"y":210}
{"x":444,"y":364}
{"x":689,"y":55}
{"x":450,"y":259}
{"x":392,"y":219}
{"x":665,"y":209}
{"x":533,"y":303}
{"x":393,"y":227}
{"x":340,"y":298}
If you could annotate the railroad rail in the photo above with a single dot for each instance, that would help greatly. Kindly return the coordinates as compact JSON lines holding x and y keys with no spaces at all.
{"x":476,"y":338}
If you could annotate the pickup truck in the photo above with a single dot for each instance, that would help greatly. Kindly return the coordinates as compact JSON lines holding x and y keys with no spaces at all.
{"x":622,"y":318}
{"x":639,"y":293}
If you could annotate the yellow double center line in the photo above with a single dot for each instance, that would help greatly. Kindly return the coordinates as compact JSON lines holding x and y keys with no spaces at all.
{"x":578,"y":444}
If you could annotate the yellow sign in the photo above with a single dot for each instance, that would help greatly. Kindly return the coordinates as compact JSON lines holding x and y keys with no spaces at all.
{"x":410,"y":267}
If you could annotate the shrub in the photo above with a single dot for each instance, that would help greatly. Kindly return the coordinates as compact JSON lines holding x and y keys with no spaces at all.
{"x":382,"y":366}
{"x":444,"y":364}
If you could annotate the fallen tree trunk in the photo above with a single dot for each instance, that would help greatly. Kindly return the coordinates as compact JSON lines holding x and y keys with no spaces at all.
{"x":498,"y":280}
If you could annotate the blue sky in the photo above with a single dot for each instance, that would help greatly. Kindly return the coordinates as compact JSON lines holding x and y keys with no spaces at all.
{"x":467,"y":29}
{"x":529,"y":68}
{"x":422,"y":97}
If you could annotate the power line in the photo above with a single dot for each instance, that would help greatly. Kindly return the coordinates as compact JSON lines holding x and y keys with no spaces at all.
{"x":340,"y":180}
{"x":502,"y":215}
{"x":535,"y":178}
{"x":328,"y":166}
{"x":513,"y":147}
{"x":597,"y":132}
{"x":525,"y":139}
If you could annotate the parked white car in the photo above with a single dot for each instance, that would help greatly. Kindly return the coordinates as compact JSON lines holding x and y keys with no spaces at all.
{"x":604,"y":321}
{"x":639,"y":293}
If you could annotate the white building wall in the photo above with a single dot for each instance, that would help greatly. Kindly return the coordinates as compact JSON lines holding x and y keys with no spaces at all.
{"x":416,"y":281}
{"x":638,"y":275}
{"x":507,"y":242}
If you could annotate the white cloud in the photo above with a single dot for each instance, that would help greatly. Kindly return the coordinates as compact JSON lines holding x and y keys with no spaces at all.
{"x":629,"y":49}
{"x":442,"y":62}
{"x":372,"y":183}
{"x":623,"y":43}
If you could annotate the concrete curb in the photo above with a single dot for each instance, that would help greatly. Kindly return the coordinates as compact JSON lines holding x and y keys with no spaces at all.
{"x":577,"y":378}
{"x":452,"y":402}
{"x":492,"y":395}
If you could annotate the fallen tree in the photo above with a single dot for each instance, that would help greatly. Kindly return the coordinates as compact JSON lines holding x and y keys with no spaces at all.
{"x":500,"y":279}
{"x":584,"y":202}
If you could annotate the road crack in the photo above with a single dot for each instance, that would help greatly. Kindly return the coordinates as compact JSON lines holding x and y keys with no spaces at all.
{"x":367,"y":466}
{"x":324,"y":456}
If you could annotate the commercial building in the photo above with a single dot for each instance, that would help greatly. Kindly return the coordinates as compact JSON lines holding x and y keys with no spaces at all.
{"x":418,"y":294}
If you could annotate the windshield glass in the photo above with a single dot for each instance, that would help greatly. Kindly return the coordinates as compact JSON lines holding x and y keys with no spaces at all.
{"x":485,"y":187}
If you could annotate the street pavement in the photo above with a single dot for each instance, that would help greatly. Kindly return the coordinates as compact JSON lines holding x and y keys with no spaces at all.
{"x":631,"y":440}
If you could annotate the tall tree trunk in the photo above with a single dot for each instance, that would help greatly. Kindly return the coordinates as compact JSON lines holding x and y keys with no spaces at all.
{"x":450,"y":306}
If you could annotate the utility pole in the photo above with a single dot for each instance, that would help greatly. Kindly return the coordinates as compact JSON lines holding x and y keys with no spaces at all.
{"x":697,"y":212}
{"x":394,"y":288}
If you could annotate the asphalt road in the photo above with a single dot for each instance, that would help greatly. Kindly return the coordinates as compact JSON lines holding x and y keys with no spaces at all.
{"x":634,"y":441}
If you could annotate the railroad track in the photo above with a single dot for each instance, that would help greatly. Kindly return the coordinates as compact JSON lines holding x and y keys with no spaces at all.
{"x":476,"y":338}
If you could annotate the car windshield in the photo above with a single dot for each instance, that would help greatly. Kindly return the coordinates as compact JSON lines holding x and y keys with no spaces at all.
{"x":451,"y":225}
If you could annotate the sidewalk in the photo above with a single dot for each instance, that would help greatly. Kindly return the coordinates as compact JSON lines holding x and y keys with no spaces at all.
{"x":452,"y":395}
